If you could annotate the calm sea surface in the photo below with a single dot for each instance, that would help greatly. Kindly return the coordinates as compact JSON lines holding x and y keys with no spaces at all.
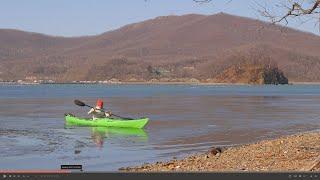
{"x":184,"y":119}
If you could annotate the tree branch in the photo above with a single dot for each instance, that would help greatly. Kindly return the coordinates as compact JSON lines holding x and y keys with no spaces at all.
{"x":294,"y":9}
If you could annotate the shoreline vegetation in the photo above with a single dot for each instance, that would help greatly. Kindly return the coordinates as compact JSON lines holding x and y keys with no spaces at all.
{"x":147,"y":83}
{"x":298,"y":152}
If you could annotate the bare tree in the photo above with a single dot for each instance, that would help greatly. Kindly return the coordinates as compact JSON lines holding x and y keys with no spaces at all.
{"x":285,"y":9}
{"x":291,"y":9}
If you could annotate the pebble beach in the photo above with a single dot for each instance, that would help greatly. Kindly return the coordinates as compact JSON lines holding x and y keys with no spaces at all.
{"x":299,"y":152}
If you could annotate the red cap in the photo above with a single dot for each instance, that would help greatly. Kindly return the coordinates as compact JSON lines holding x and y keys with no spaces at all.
{"x":99,"y":103}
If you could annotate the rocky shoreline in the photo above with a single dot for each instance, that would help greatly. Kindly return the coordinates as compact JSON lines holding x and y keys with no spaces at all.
{"x":137,"y":83}
{"x":300,"y":152}
{"x":147,"y":83}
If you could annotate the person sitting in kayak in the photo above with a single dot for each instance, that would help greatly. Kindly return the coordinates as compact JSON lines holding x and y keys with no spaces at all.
{"x":98,"y":111}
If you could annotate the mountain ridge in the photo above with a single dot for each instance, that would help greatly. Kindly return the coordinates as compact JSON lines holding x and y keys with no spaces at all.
{"x":167,"y":44}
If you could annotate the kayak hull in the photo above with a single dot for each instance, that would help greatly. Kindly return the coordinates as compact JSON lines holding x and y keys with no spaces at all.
{"x":106,"y":122}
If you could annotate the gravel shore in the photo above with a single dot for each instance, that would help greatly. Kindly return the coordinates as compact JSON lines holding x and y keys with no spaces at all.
{"x":300,"y":152}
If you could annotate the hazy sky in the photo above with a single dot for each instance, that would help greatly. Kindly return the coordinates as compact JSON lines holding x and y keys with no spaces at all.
{"x":90,"y":17}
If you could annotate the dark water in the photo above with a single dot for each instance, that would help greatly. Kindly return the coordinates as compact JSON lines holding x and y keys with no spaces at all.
{"x":183,"y":120}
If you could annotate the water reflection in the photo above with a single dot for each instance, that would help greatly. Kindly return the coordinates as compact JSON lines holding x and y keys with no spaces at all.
{"x":100,"y":134}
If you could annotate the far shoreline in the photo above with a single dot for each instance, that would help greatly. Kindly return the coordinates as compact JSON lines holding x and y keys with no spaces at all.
{"x":160,"y":83}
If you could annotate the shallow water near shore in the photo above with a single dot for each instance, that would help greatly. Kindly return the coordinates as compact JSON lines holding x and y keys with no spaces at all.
{"x":184,"y":119}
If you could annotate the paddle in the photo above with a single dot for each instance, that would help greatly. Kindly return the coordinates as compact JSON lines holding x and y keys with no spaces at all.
{"x":80,"y":103}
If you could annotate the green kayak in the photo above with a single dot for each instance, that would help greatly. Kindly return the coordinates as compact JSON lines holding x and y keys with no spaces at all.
{"x":106,"y":122}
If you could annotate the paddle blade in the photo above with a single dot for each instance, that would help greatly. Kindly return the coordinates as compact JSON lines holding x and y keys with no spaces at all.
{"x":79,"y":103}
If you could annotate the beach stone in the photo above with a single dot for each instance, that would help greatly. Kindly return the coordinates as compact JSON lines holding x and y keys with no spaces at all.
{"x":215,"y":151}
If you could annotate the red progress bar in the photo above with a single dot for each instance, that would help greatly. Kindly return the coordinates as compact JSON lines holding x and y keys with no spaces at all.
{"x":36,"y":171}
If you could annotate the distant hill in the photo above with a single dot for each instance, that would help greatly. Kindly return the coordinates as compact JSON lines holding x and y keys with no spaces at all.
{"x":169,"y":48}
